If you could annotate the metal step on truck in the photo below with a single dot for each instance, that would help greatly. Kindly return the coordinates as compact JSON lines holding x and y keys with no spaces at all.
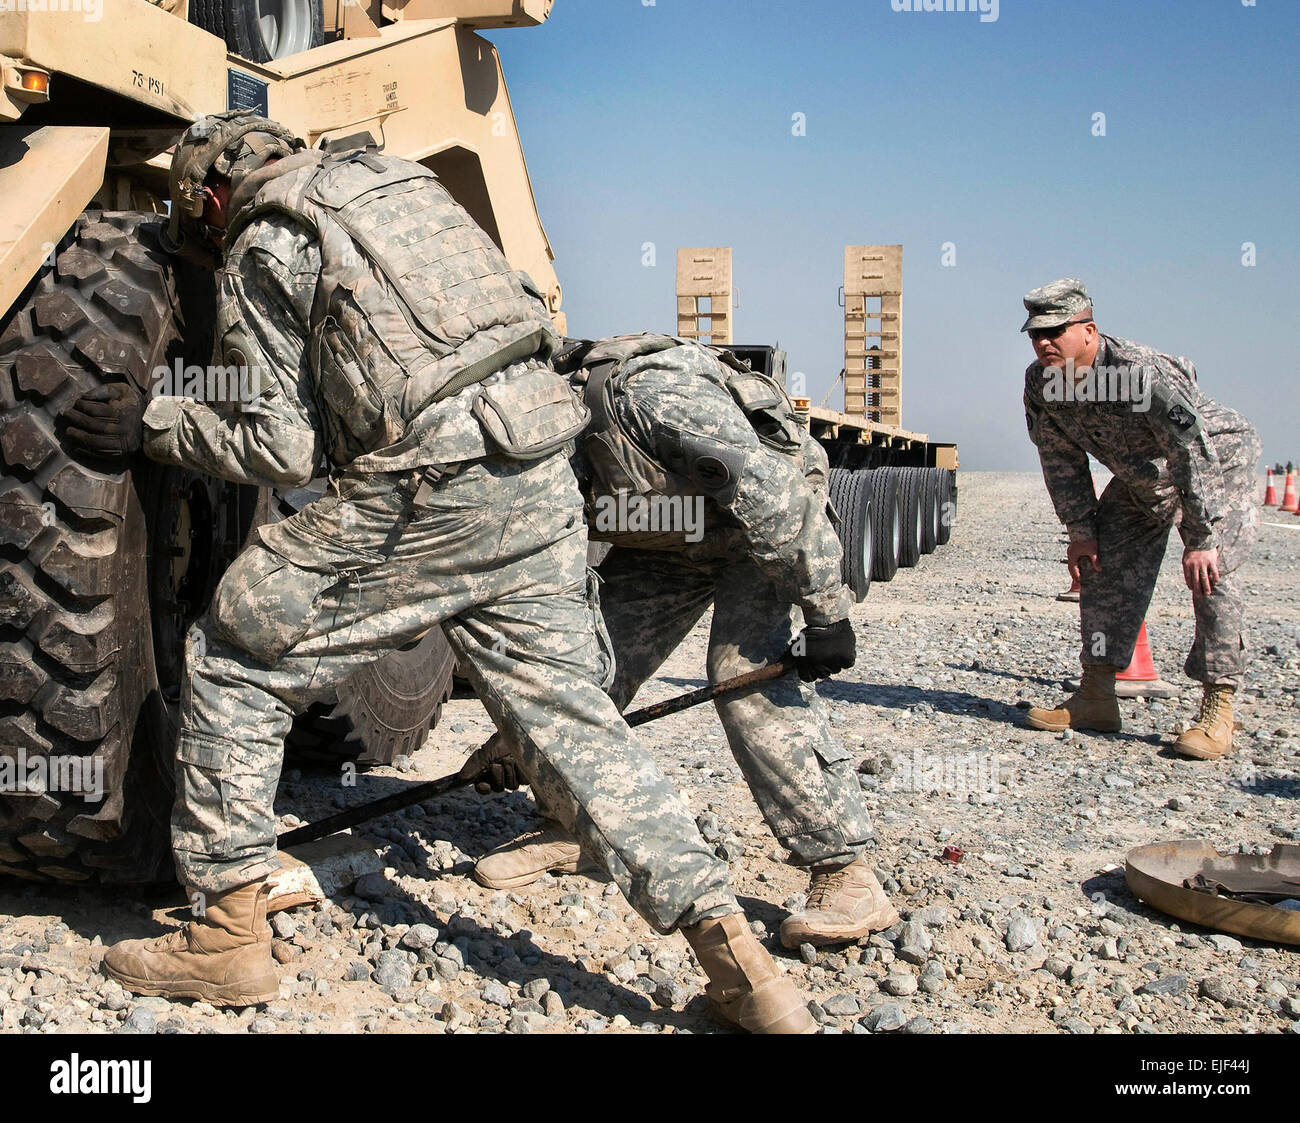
{"x":103,"y":571}
{"x":895,"y":491}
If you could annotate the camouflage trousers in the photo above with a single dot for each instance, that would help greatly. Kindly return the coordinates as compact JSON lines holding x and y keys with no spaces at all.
{"x":779,"y":733}
{"x":1131,"y":546}
{"x":496,"y":555}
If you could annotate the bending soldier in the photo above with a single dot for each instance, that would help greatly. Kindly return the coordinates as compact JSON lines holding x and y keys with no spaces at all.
{"x":1178,"y":457}
{"x":715,"y":450}
{"x":391,"y":335}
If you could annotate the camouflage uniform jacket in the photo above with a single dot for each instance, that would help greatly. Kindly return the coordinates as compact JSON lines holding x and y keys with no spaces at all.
{"x":1167,"y":456}
{"x":683,"y":431}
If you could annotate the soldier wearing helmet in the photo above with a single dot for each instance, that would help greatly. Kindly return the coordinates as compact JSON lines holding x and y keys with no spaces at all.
{"x":395,"y":344}
{"x":214,"y":151}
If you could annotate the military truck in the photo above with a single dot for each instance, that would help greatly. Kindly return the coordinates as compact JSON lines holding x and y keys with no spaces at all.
{"x":894,"y":491}
{"x":104,"y":571}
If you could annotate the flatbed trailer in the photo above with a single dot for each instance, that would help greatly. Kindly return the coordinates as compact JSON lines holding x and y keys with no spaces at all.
{"x":894,"y":491}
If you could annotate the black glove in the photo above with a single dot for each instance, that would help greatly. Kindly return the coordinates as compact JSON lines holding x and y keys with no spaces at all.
{"x":107,"y":421}
{"x":493,"y":767}
{"x":820,"y":652}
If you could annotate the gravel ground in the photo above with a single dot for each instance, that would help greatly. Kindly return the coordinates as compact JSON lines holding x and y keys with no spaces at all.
{"x":1034,"y":930}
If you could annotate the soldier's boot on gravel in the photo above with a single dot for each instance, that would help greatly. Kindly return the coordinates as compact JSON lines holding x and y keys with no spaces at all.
{"x":223,"y":957}
{"x":745,"y":987}
{"x":1211,"y":737}
{"x":1093,"y":706}
{"x":844,"y":903}
{"x":524,"y":860}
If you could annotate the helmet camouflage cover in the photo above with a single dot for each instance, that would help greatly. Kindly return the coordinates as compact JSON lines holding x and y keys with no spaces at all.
{"x":235,"y":142}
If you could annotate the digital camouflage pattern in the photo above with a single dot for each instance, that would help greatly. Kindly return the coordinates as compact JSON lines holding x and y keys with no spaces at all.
{"x":768,"y":551}
{"x":678,"y":405}
{"x":1056,"y":303}
{"x":350,"y":352}
{"x":489,"y":547}
{"x":1186,"y":459}
{"x":801,"y":777}
{"x":414,"y":301}
{"x":497,"y":556}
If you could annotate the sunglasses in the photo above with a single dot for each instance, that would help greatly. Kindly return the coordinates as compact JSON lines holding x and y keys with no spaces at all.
{"x":1059,"y":330}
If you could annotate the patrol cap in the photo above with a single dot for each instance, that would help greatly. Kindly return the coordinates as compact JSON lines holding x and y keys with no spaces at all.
{"x":1057,"y":303}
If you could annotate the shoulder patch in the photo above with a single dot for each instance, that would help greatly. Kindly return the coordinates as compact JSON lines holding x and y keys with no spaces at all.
{"x":711,"y":473}
{"x":710,"y":465}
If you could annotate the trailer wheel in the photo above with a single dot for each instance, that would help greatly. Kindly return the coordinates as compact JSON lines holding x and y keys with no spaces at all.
{"x":850,"y":493}
{"x":262,"y":30}
{"x":947,"y":505}
{"x":930,"y":483}
{"x":909,"y":487}
{"x":887,"y":523}
{"x":837,"y":487}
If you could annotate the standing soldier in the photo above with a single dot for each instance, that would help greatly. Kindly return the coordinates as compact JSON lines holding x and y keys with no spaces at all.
{"x":693,"y":434}
{"x":390,"y":333}
{"x":1178,"y":457}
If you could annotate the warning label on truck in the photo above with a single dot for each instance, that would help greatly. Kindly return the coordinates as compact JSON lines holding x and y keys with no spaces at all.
{"x":243,"y":91}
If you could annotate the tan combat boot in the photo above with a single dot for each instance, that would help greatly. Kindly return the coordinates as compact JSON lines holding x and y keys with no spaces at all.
{"x":1211,"y":736}
{"x":524,"y":860}
{"x":1093,"y":706}
{"x":745,"y":988}
{"x":223,"y":957}
{"x":843,"y":904}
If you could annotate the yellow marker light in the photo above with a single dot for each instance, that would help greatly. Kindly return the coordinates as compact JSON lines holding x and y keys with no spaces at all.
{"x":27,"y":83}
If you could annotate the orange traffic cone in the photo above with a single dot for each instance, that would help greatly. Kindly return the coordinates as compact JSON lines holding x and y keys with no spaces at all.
{"x":1289,"y":500}
{"x":1270,"y":490}
{"x":1140,"y":679}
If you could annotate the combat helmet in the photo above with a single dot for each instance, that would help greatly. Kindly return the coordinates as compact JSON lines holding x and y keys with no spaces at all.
{"x":232,"y":143}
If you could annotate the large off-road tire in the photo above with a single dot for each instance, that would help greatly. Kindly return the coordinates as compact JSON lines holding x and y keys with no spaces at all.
{"x":384,"y":710}
{"x":261,"y":30}
{"x":81,"y":545}
{"x":103,"y":570}
{"x":887,"y":523}
{"x":850,"y":493}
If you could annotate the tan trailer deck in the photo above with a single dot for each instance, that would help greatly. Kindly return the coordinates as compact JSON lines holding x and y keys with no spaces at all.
{"x":830,"y":426}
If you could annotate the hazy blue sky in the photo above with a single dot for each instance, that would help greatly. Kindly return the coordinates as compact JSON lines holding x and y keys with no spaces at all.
{"x":671,"y":122}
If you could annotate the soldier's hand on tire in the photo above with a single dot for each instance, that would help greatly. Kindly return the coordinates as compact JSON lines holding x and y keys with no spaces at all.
{"x":108,"y":421}
{"x":1201,"y":570}
{"x":493,"y":768}
{"x":1079,"y":552}
{"x":820,"y":652}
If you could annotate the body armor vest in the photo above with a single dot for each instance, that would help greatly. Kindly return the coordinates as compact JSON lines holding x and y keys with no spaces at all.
{"x":414,"y":301}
